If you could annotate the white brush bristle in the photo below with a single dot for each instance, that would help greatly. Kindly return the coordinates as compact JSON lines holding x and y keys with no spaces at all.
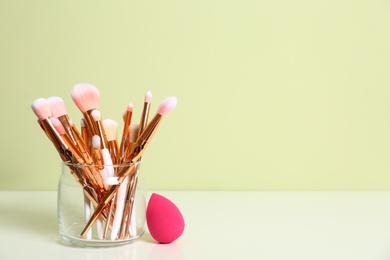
{"x":167,"y":105}
{"x":41,"y":108}
{"x":86,"y":96}
{"x":148,"y":97}
{"x":111,"y":129}
{"x":134,"y":132}
{"x":128,"y":110}
{"x":57,"y":106}
{"x":57,"y":125}
{"x":96,"y":142}
{"x":130,"y":107}
{"x":96,"y":115}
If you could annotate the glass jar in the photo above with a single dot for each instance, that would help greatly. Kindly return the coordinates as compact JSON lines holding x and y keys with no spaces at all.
{"x":116,"y":192}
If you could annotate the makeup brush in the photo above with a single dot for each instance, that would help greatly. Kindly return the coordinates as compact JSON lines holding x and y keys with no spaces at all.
{"x":136,"y":153}
{"x":111,"y":128}
{"x":125,"y":227}
{"x":145,"y":112}
{"x":99,"y":164}
{"x":42,"y":110}
{"x":87,"y":98}
{"x":165,"y":107}
{"x":134,"y":178}
{"x":142,"y":141}
{"x":125,"y":133}
{"x":120,"y":203}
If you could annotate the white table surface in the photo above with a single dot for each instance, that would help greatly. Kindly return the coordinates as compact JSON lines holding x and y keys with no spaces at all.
{"x":219,"y":225}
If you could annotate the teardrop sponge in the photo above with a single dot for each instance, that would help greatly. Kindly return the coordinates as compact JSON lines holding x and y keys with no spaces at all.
{"x":165,"y":221}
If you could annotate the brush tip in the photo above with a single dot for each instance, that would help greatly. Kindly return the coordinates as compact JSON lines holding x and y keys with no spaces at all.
{"x":41,"y":108}
{"x":57,"y":106}
{"x":96,"y":115}
{"x":111,"y":129}
{"x":133,"y":132}
{"x":85,"y":96}
{"x":130,"y":107}
{"x":167,"y":105}
{"x":96,"y":142}
{"x":148,"y":97}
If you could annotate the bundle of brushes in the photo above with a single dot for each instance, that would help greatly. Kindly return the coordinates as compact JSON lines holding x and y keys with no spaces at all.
{"x":108,"y":189}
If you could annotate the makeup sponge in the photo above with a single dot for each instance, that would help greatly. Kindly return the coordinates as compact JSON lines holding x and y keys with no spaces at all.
{"x":164,"y":219}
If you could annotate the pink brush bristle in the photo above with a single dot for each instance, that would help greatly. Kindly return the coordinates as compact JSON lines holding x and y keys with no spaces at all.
{"x":167,"y":105}
{"x":86,"y":96}
{"x":41,"y":108}
{"x":130,"y":107}
{"x":57,"y":106}
{"x":57,"y":125}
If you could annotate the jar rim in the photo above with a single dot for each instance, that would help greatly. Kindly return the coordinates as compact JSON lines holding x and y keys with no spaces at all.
{"x":120,"y":165}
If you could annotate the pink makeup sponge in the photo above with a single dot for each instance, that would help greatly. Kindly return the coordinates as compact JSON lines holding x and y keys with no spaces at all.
{"x":164,"y":219}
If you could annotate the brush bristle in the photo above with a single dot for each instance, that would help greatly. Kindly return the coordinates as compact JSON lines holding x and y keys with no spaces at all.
{"x":148,"y":97}
{"x":57,"y":106}
{"x":85,"y":96}
{"x":134,"y":132}
{"x":57,"y":125}
{"x":41,"y":108}
{"x":167,"y":105}
{"x":111,"y":128}
{"x":130,"y":107}
{"x":96,"y":115}
{"x":96,"y":142}
{"x":128,"y":110}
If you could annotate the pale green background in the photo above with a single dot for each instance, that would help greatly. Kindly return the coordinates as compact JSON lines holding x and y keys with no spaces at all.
{"x":272,"y":95}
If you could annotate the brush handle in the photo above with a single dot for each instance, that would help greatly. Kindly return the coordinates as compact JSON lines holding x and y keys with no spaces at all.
{"x":120,"y":201}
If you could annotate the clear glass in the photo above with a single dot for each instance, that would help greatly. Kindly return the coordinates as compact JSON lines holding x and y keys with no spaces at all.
{"x":123,"y":218}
